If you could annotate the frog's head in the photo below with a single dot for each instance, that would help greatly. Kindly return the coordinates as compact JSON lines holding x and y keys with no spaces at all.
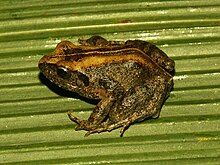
{"x":61,"y":71}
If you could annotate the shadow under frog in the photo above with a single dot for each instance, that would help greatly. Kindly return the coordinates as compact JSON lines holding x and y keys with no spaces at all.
{"x":130,"y":80}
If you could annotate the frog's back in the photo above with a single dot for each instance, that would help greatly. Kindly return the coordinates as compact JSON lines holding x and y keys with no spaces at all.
{"x":158,"y":56}
{"x":125,"y":74}
{"x":126,"y":67}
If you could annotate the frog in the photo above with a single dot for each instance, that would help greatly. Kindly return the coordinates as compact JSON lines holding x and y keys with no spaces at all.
{"x":130,"y":79}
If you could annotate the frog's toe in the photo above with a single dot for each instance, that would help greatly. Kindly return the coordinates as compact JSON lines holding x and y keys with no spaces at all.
{"x":83,"y":126}
{"x":103,"y":128}
{"x":74,"y":118}
{"x":93,"y":132}
{"x":78,"y":128}
{"x":88,"y":133}
{"x":124,"y":128}
{"x":156,"y":115}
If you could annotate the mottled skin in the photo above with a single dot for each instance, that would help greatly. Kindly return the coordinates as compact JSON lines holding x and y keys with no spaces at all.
{"x":132,"y":79}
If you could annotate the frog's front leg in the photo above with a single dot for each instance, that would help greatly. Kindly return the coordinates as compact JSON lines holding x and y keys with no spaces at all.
{"x":101,"y":110}
{"x":98,"y":115}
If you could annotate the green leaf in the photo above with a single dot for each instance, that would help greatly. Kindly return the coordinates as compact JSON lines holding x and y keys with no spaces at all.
{"x":34,"y":125}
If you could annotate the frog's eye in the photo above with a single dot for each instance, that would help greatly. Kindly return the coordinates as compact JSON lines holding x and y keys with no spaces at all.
{"x":63,"y":72}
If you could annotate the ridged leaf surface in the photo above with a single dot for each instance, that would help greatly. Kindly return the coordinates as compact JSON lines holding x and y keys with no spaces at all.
{"x":34,"y":127}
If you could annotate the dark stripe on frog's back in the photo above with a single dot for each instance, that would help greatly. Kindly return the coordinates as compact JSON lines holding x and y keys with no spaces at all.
{"x":73,"y":57}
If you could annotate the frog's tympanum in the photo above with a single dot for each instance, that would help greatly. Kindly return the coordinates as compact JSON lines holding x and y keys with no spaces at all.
{"x":131,"y":79}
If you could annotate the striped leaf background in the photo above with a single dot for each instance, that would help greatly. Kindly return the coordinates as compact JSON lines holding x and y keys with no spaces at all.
{"x":34,"y":127}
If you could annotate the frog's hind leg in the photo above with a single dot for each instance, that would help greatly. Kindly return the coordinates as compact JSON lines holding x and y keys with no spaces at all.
{"x":135,"y":117}
{"x":97,"y":116}
{"x":94,"y":41}
{"x":151,"y":109}
{"x":99,"y":41}
{"x":157,"y":55}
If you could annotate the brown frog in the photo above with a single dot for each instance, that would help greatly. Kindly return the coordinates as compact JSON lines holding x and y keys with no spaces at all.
{"x":131,"y":79}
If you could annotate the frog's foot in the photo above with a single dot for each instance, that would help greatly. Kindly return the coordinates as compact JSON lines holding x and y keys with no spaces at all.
{"x":82,"y":124}
{"x":111,"y":126}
